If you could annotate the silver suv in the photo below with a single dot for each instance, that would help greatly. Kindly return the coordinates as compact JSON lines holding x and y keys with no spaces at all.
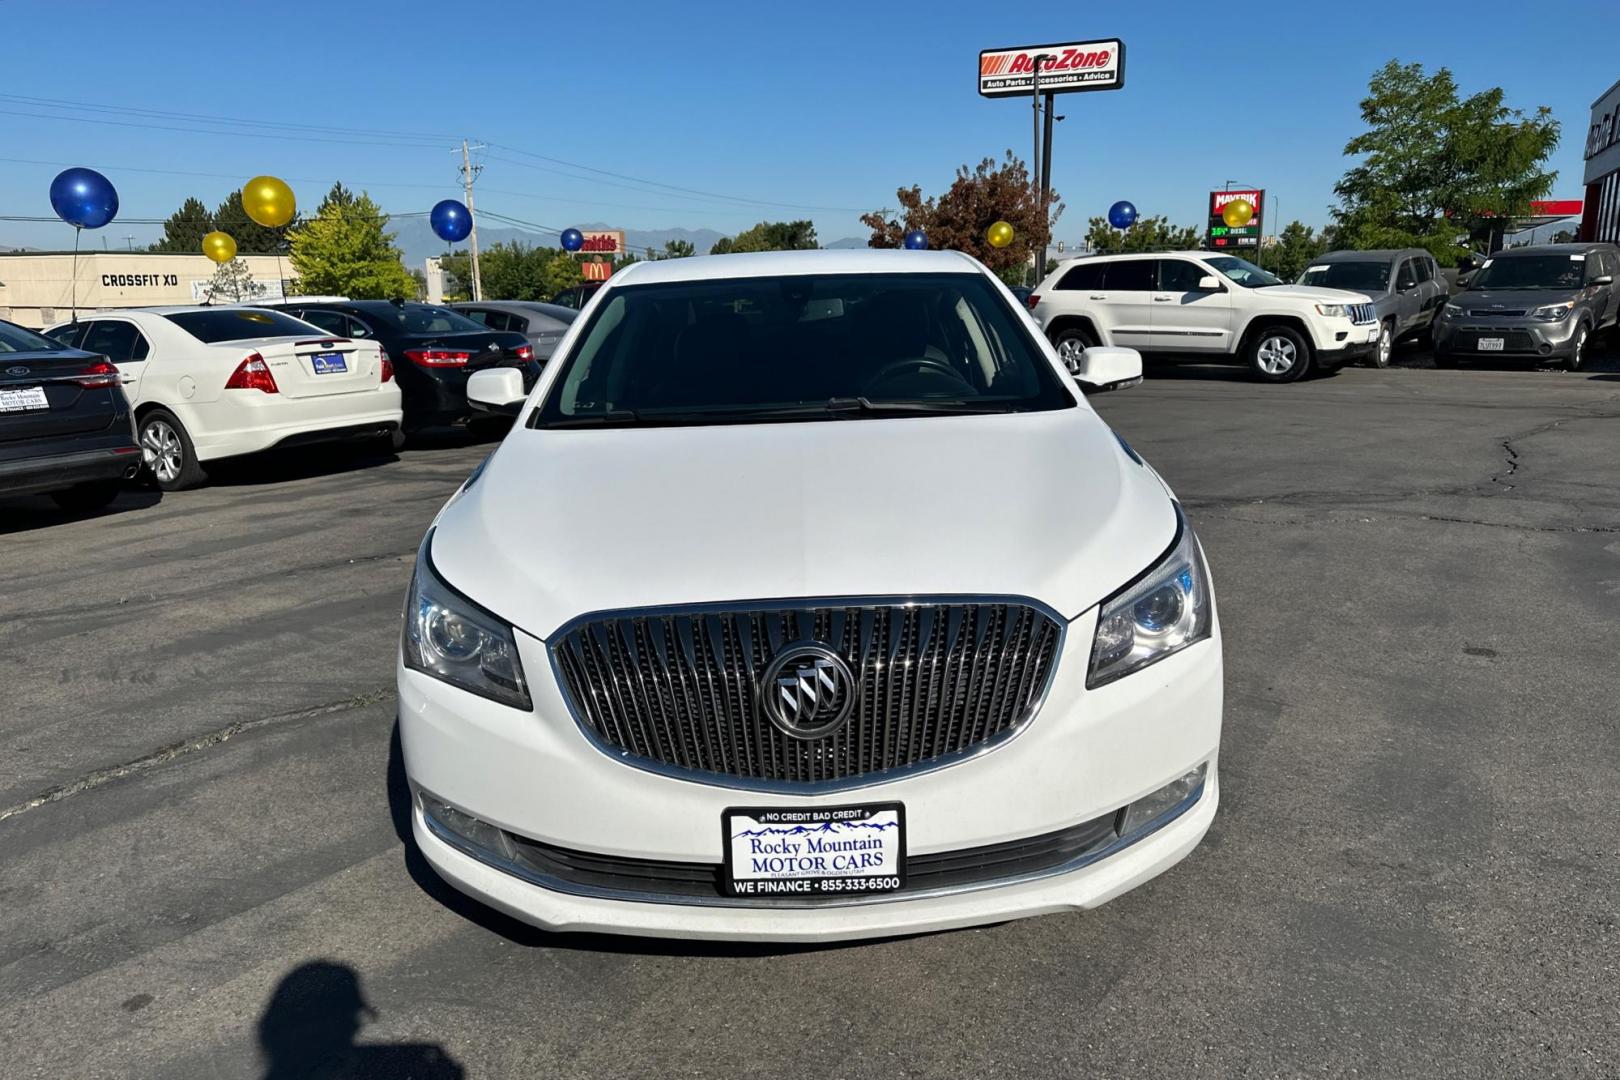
{"x":1404,"y":285}
{"x":1540,"y":303}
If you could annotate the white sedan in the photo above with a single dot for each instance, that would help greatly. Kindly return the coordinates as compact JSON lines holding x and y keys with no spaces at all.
{"x":851,"y":618}
{"x":215,"y":382}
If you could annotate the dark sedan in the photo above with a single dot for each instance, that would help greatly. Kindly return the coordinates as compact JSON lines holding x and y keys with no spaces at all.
{"x":432,"y":348}
{"x":64,"y":422}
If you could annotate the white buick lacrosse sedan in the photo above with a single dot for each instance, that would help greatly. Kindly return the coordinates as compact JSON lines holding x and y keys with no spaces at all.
{"x":808,"y":600}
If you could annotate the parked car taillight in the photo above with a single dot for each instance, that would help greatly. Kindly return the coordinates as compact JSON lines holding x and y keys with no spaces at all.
{"x":252,"y":374}
{"x":100,"y":374}
{"x":387,"y":367}
{"x":437,"y":357}
{"x":524,"y":352}
{"x":1034,"y":298}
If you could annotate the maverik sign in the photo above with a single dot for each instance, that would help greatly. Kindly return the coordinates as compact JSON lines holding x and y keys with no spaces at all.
{"x":1075,"y":66}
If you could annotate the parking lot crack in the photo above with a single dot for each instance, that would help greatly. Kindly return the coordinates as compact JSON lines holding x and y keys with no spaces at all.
{"x":164,"y":755}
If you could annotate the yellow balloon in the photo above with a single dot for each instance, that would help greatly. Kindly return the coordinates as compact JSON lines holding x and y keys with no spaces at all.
{"x":1000,"y":234}
{"x":1237,"y":213}
{"x":268,"y":201}
{"x":219,"y":247}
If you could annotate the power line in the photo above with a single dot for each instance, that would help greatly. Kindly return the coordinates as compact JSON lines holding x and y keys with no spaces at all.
{"x":162,"y":114}
{"x":348,"y":141}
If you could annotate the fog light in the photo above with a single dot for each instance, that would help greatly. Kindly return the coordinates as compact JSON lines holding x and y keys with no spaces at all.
{"x":460,"y":825}
{"x":1150,"y":808}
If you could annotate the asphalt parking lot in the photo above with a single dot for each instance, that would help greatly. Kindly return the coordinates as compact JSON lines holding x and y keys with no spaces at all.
{"x":202,"y":860}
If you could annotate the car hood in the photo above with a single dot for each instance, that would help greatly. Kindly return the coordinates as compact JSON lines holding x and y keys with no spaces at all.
{"x":1315,"y":294}
{"x":1512,"y":299}
{"x":565,"y":523}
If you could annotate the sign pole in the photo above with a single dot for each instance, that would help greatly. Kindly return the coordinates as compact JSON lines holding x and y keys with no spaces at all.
{"x":1035,"y":171}
{"x":1046,"y":189}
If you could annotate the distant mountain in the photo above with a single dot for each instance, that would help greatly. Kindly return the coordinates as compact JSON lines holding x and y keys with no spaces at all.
{"x":847,"y":242}
{"x":416,"y":241}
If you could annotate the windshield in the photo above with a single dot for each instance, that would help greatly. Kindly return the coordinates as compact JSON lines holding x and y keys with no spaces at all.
{"x":821,"y":347}
{"x":239,"y":324}
{"x":16,"y":339}
{"x":1355,"y":276}
{"x":423,"y":318}
{"x":1242,"y":271}
{"x":1531,"y":272}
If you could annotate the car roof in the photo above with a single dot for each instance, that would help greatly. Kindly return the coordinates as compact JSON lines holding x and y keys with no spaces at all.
{"x":789,"y":263}
{"x":1551,"y":249}
{"x":1372,"y":255}
{"x":173,"y":309}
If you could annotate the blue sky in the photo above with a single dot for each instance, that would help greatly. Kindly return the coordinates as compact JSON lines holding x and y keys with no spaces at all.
{"x":828,"y":106}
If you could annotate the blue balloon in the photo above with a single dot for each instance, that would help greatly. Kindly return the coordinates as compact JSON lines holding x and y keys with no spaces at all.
{"x":450,"y":220}
{"x":572,"y":239}
{"x":1122,"y":215}
{"x":917,"y":240}
{"x":84,"y":198}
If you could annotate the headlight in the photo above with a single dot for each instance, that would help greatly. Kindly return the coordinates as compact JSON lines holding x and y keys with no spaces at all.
{"x":449,"y":637}
{"x":1163,"y":612}
{"x":1553,"y":312}
{"x":1334,"y":311}
{"x":1453,"y":309}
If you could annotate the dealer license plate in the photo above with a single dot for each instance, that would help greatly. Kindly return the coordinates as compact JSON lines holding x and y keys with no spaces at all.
{"x":24,"y":399}
{"x":1491,"y":344}
{"x":820,"y":851}
{"x":328,"y":363}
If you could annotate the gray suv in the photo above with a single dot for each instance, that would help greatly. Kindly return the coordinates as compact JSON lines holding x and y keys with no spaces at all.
{"x":1540,"y":303}
{"x":1404,"y":285}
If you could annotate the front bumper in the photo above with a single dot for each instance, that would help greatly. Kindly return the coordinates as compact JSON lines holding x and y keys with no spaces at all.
{"x":1348,"y":341}
{"x":1520,"y":337}
{"x":1083,"y":756}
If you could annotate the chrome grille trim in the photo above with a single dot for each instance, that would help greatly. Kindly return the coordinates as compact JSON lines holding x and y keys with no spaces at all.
{"x":1361,"y":314}
{"x":940,"y":679}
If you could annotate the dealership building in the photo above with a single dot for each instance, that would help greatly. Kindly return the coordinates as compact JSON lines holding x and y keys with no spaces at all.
{"x":37,"y":287}
{"x":1600,"y":219}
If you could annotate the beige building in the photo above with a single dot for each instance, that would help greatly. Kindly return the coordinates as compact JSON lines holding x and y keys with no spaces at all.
{"x":36,"y":288}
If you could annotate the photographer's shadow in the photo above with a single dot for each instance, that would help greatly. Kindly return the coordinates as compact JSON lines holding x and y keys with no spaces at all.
{"x":309,"y":1028}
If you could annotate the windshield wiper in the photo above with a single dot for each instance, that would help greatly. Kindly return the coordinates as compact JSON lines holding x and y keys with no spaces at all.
{"x":610,"y":418}
{"x":963,"y":406}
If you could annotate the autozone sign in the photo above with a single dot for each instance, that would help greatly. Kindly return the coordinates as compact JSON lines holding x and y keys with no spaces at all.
{"x":603,"y":242}
{"x":1065,"y":69}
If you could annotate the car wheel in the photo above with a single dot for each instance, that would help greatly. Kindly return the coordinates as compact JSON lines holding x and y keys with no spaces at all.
{"x":1278,"y":354}
{"x":1385,"y":349}
{"x":1070,"y":342}
{"x":167,"y":452}
{"x":82,"y":498}
{"x":1577,"y":355}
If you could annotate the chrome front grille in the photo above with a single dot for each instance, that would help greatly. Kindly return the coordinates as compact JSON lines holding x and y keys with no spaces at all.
{"x":679,"y":690}
{"x":1360,"y":314}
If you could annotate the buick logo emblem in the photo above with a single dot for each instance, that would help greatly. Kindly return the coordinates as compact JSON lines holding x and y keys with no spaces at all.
{"x":807,"y":691}
{"x":18,"y":370}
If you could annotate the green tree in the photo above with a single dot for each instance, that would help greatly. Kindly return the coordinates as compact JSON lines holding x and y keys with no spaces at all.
{"x":251,"y":237}
{"x":1296,"y":246}
{"x":512,"y":271}
{"x":183,"y":232}
{"x":1148,"y":234}
{"x":676,"y":249}
{"x":976,"y":199}
{"x":345,"y":249}
{"x":1433,"y":165}
{"x":769,"y":236}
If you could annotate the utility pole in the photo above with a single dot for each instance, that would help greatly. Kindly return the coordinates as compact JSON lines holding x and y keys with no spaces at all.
{"x":468,"y":175}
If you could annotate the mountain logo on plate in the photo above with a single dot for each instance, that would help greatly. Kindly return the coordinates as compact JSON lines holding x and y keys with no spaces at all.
{"x":807,"y":691}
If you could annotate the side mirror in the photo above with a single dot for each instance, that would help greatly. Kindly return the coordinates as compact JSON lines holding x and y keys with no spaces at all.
{"x":1464,"y":279}
{"x":1603,"y":279}
{"x":496,"y":390}
{"x":1107,"y":367}
{"x":1208,"y":283}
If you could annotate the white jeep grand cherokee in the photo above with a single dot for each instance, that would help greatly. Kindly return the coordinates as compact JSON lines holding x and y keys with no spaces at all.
{"x":808,"y":600}
{"x":1206,"y":305}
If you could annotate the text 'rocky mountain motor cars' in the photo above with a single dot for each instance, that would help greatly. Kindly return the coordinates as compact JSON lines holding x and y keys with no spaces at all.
{"x":851,"y":618}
